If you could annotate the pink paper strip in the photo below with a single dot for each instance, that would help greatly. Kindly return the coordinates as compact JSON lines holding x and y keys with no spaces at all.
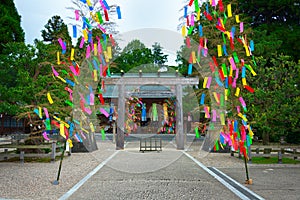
{"x":192,"y":20}
{"x":46,"y":113}
{"x":238,"y":109}
{"x":88,"y":51}
{"x":92,"y":99}
{"x":88,"y":111}
{"x":206,"y":111}
{"x":76,"y":15}
{"x":73,"y":70}
{"x":103,"y":111}
{"x":214,"y":115}
{"x":242,"y":101}
{"x":241,"y":27}
{"x":45,"y":136}
{"x":54,"y":71}
{"x":208,"y":82}
{"x":63,"y":46}
{"x":81,"y":43}
{"x":232,"y":63}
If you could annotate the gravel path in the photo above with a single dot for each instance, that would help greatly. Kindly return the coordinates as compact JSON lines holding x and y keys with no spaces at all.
{"x":33,"y":180}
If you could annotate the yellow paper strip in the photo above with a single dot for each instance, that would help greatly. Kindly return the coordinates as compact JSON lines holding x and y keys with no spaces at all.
{"x":40,"y":112}
{"x":216,"y":97}
{"x":226,"y":94}
{"x":247,"y":50}
{"x":237,"y":19}
{"x":92,"y":127}
{"x":205,"y":82}
{"x":70,"y":143}
{"x":194,"y":57}
{"x":49,"y":98}
{"x":237,"y":91}
{"x":58,"y":58}
{"x":106,"y":56}
{"x":63,"y":80}
{"x":95,"y":49}
{"x":231,"y":71}
{"x":72,"y":54}
{"x":250,"y":131}
{"x":95,"y":75}
{"x":229,"y":13}
{"x":198,"y":15}
{"x":243,"y":117}
{"x":244,"y":81}
{"x":85,"y":35}
{"x":109,"y":52}
{"x":183,"y":31}
{"x":61,"y":122}
{"x":219,"y":50}
{"x":62,"y":130}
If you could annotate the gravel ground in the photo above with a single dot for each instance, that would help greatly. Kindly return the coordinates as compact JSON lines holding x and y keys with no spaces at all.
{"x":33,"y":180}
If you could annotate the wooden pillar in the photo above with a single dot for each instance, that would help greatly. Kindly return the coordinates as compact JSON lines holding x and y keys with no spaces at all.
{"x":121,"y":116}
{"x":179,"y":118}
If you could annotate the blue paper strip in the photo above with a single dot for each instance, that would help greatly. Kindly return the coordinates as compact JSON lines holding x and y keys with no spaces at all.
{"x":202,"y":99}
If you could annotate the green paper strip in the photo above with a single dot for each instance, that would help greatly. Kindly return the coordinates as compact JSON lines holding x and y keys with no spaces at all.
{"x":191,"y":30}
{"x":47,"y":124}
{"x":224,"y":69}
{"x":222,"y":100}
{"x":69,"y":103}
{"x":211,"y":126}
{"x":253,"y":61}
{"x":235,"y":57}
{"x":217,"y":145}
{"x":108,"y":72}
{"x":103,"y":44}
{"x":225,"y":19}
{"x":103,"y":136}
{"x":196,"y":3}
{"x":100,"y":17}
{"x":197,"y":132}
{"x":224,"y":38}
{"x":64,"y":71}
{"x":222,"y":119}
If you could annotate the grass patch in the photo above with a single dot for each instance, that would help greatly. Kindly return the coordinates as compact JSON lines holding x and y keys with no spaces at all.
{"x":32,"y":159}
{"x":273,"y":160}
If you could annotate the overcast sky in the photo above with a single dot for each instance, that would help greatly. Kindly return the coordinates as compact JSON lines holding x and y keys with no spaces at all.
{"x":136,"y":14}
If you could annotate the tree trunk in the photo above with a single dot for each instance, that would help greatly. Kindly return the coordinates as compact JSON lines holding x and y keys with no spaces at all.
{"x":266,"y":138}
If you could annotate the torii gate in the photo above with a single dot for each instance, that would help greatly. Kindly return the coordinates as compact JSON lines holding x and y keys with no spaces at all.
{"x":176,"y":81}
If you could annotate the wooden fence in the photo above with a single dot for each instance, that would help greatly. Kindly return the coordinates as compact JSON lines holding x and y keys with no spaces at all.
{"x":268,"y":152}
{"x":51,"y":147}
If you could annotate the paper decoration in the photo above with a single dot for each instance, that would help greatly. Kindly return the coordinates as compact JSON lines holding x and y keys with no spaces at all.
{"x":119,"y":12}
{"x":45,"y":136}
{"x":237,"y":18}
{"x":103,"y":136}
{"x":229,"y":13}
{"x":197,"y":132}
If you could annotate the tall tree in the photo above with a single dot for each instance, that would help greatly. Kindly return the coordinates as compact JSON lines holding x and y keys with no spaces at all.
{"x":279,"y":19}
{"x":10,"y":24}
{"x":134,"y":54}
{"x":158,"y":55}
{"x":55,"y":29}
{"x":275,"y":105}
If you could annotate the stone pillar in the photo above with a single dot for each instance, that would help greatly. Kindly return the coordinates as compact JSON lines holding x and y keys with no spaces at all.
{"x":179,"y":118}
{"x":121,"y":116}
